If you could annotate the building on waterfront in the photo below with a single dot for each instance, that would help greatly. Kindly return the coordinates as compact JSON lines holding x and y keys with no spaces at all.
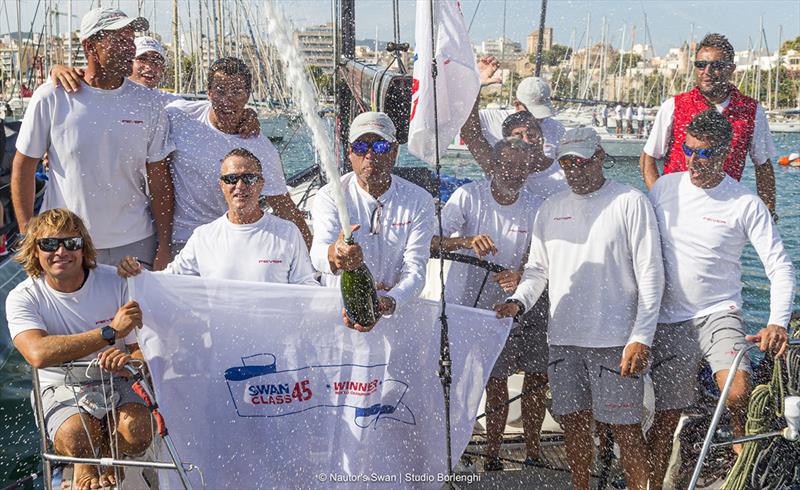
{"x":316,"y":45}
{"x":533,"y":40}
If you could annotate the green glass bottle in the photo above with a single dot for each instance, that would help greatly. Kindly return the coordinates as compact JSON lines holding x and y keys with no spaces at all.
{"x":359,"y":295}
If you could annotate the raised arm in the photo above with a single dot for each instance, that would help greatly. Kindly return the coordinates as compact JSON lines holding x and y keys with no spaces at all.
{"x":471,"y":132}
{"x":285,"y":208}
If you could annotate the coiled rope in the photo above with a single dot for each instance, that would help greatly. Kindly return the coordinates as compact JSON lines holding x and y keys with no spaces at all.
{"x":766,"y":464}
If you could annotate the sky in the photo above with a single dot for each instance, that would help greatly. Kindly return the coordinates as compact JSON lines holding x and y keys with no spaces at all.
{"x":670,"y":22}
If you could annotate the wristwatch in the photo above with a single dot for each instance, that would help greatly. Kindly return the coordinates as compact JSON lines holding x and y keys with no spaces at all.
{"x":519,"y":305}
{"x":774,"y":216}
{"x":109,"y":334}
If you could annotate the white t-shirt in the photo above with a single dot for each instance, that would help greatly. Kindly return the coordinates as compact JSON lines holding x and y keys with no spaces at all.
{"x":200,"y":147}
{"x":703,"y":233}
{"x":547,"y":182}
{"x":762,"y":147}
{"x":629,"y":113}
{"x":492,"y":127}
{"x":618,"y":112}
{"x":472,"y":210}
{"x":34,"y":305}
{"x":640,"y":113}
{"x":601,"y":255}
{"x":98,"y":142}
{"x":397,"y":255}
{"x":269,"y":250}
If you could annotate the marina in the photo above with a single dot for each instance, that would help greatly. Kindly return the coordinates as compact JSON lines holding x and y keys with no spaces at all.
{"x":304,"y":121}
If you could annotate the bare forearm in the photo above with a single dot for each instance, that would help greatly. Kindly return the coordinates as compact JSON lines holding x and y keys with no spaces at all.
{"x":649,"y":168}
{"x":285,"y":208}
{"x":162,"y":200}
{"x":23,"y":188}
{"x":54,"y":350}
{"x":765,"y":184}
{"x":450,"y":244}
{"x":476,"y":142}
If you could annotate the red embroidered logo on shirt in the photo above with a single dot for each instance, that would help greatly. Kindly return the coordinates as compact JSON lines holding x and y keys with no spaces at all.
{"x":270,"y":261}
{"x":715,"y":220}
{"x":99,"y":322}
{"x":131,"y":121}
{"x":562,"y":218}
{"x":402,"y":223}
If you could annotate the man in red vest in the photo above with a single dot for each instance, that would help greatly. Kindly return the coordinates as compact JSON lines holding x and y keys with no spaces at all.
{"x":713,"y":68}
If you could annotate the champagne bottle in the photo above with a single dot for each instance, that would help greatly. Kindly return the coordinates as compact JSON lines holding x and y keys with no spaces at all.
{"x":359,"y":295}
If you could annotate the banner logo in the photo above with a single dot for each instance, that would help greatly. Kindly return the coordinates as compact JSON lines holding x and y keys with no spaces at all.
{"x":259,"y":389}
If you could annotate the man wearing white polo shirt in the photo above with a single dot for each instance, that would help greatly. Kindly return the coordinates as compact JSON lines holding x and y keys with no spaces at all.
{"x":392,"y":219}
{"x":244,"y":244}
{"x":204,"y":132}
{"x":532,"y":122}
{"x":597,"y":247}
{"x":107,"y":146}
{"x":706,"y":219}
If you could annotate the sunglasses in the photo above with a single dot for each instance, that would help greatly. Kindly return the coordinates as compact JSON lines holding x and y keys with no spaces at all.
{"x":52,"y":244}
{"x":715,"y":65}
{"x":379,"y":147}
{"x":233,"y":179}
{"x":702,"y":153}
{"x":575,"y":160}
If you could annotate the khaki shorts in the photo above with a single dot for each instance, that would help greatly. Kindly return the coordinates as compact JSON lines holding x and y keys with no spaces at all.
{"x":62,"y":402}
{"x":588,"y":378}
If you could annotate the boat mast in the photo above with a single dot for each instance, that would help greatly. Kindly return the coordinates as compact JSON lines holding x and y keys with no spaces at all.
{"x":19,"y":53}
{"x":176,"y":49}
{"x":618,"y":81}
{"x":778,"y":69}
{"x":69,"y":33}
{"x":540,"y":40}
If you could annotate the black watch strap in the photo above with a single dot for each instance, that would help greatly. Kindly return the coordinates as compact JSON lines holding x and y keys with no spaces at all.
{"x":109,"y":334}
{"x":519,"y":304}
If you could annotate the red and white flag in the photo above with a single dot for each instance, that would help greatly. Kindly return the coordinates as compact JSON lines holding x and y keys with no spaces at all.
{"x":457,"y":83}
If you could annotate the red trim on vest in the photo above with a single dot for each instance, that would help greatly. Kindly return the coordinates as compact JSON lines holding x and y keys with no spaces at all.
{"x":741,"y":112}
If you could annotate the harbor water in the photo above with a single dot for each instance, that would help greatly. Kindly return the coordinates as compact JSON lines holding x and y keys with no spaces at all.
{"x":18,"y":438}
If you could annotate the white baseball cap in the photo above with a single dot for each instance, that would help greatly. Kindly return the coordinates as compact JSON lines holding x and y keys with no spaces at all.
{"x":583,"y":142}
{"x":145,"y":44}
{"x":535,"y":94}
{"x":373,"y":123}
{"x":109,"y":19}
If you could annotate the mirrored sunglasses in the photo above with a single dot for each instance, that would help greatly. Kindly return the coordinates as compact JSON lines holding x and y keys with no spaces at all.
{"x":379,"y":147}
{"x":702,"y":153}
{"x":233,"y":179}
{"x":52,"y":244}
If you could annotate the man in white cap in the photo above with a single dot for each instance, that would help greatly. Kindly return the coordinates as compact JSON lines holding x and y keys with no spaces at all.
{"x":148,"y":68}
{"x":107,"y":146}
{"x":597,"y":247}
{"x":532,"y":122}
{"x":392,"y":219}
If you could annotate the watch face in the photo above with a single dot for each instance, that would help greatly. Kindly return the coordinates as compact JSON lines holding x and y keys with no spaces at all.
{"x":109,"y":333}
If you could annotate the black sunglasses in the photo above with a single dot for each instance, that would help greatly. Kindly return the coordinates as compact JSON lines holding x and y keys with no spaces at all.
{"x":52,"y":244}
{"x":715,"y":65}
{"x":233,"y":179}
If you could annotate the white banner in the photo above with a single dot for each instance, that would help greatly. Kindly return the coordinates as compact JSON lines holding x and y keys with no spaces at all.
{"x":457,"y":83}
{"x":261,"y":385}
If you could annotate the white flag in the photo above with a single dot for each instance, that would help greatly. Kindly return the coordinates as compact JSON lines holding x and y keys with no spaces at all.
{"x":457,"y":83}
{"x":261,"y":386}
